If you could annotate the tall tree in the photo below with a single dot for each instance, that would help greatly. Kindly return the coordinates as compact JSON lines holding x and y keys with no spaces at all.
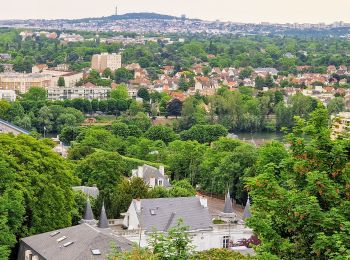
{"x":301,"y":203}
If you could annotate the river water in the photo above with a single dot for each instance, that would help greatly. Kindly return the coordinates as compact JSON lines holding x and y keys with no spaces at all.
{"x":258,"y":138}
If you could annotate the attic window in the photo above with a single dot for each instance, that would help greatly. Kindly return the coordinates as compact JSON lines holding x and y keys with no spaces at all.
{"x":54,"y":233}
{"x":153,"y":212}
{"x":61,"y":239}
{"x":96,"y":251}
{"x":68,"y":244}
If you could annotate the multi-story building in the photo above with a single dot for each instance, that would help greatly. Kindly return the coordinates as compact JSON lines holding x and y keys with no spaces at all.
{"x":21,"y":82}
{"x":102,"y":61}
{"x":340,"y":124}
{"x":88,"y":91}
{"x":9,"y":95}
{"x":70,"y":78}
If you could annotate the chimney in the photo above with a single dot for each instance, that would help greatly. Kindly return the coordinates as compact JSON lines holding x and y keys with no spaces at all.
{"x":140,"y":172}
{"x":161,"y":170}
{"x":138,"y":204}
{"x":152,"y":182}
{"x":203,"y":201}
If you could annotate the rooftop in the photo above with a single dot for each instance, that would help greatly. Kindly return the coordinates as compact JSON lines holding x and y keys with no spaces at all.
{"x":77,"y":242}
{"x":162,"y":214}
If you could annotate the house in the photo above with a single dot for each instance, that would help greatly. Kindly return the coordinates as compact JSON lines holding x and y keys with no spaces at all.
{"x":88,"y":191}
{"x":146,"y":216}
{"x":7,"y":127}
{"x":84,"y":241}
{"x":39,"y":68}
{"x":9,"y":95}
{"x":340,"y":124}
{"x":5,"y":56}
{"x":152,"y":176}
{"x":7,"y":67}
{"x":271,"y":71}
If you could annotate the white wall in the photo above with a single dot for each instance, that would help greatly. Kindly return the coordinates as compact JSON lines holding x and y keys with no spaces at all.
{"x":204,"y":240}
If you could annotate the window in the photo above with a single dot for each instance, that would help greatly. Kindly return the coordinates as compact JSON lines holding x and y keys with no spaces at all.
{"x":225,"y":241}
{"x":68,"y":244}
{"x":61,"y":239}
{"x":28,"y":255}
{"x":96,"y":251}
{"x":54,"y":233}
{"x":160,"y":182}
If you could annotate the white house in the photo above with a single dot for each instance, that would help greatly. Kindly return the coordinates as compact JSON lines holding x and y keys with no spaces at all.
{"x":152,"y":176}
{"x":146,"y":215}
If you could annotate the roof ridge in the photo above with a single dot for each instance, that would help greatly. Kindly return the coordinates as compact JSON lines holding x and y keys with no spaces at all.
{"x":172,"y":216}
{"x":95,"y":229}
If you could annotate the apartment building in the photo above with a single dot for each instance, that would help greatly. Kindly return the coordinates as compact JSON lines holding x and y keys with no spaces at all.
{"x":21,"y":82}
{"x":9,"y":95}
{"x":102,"y":61}
{"x":88,"y":91}
{"x":340,"y":125}
{"x":62,"y":70}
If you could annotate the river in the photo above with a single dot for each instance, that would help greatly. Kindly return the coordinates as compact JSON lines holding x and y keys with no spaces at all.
{"x":258,"y":138}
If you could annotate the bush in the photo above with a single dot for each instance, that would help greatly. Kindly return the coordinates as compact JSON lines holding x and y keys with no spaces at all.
{"x":219,"y":254}
{"x":204,"y":133}
{"x":163,"y":133}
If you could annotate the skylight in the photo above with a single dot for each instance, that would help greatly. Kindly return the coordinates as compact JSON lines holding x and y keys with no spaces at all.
{"x":68,"y":244}
{"x":96,"y":251}
{"x":153,"y":212}
{"x":61,"y":239}
{"x":54,"y":233}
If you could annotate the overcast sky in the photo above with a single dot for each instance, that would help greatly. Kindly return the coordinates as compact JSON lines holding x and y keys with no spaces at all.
{"x":225,"y":10}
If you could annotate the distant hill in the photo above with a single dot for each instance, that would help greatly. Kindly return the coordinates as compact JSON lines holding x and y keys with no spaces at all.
{"x":132,"y":16}
{"x":145,"y":16}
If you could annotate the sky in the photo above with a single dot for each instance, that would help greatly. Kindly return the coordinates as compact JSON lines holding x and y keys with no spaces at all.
{"x":276,"y":11}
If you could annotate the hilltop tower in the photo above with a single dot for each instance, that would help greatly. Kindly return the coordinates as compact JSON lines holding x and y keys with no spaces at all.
{"x":116,"y":10}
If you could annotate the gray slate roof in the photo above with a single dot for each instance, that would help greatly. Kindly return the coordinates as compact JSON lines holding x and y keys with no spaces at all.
{"x":88,"y":214}
{"x":228,"y":204}
{"x":88,"y":191}
{"x":247,"y":213}
{"x":152,"y":172}
{"x":169,"y":210}
{"x":85,"y":238}
{"x":17,"y":128}
{"x":103,"y":221}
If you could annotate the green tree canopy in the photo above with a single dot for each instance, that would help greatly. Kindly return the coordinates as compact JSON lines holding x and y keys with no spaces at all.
{"x":159,"y":132}
{"x":301,"y":202}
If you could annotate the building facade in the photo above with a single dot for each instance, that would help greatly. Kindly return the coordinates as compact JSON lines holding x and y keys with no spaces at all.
{"x":152,"y":176}
{"x":7,"y":127}
{"x":83,"y":92}
{"x":340,"y":125}
{"x":146,"y":216}
{"x":91,"y":239}
{"x":22,"y":82}
{"x":102,"y":61}
{"x":9,"y":95}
